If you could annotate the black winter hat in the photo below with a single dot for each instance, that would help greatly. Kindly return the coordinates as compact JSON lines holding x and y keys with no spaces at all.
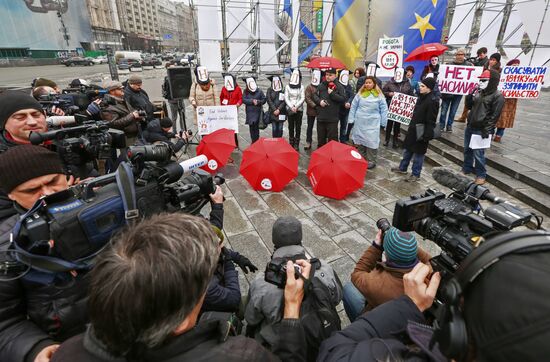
{"x":166,"y":123}
{"x":20,"y":164}
{"x":13,"y":101}
{"x":495,"y":56}
{"x":287,"y":230}
{"x":429,"y":82}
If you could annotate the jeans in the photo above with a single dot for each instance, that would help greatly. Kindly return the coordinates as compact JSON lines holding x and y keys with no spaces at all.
{"x":254,"y":132}
{"x":500,"y":132}
{"x":309,"y":132}
{"x":474,"y":160}
{"x":277,"y":129}
{"x":453,"y":102}
{"x":417,"y":159}
{"x":354,"y":301}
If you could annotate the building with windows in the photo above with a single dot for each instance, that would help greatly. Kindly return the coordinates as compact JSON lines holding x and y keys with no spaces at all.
{"x":186,"y":26}
{"x":168,"y":24}
{"x":105,"y":24}
{"x":140,"y":24}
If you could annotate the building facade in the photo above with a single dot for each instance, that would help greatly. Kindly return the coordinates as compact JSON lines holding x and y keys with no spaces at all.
{"x":105,"y":24}
{"x":186,"y":27}
{"x":140,"y":24}
{"x":168,"y":25}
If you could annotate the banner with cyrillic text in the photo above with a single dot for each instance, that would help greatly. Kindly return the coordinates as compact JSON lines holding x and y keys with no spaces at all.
{"x":522,"y":82}
{"x":213,"y":118}
{"x":458,"y":79}
{"x":401,"y":108}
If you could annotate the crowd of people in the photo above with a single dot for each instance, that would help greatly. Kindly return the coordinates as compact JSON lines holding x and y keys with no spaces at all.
{"x":166,"y":288}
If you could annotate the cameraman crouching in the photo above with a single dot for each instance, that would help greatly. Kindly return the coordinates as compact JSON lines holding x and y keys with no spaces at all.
{"x":374,"y":282}
{"x":146,"y":294}
{"x":160,"y":130}
{"x":38,"y":310}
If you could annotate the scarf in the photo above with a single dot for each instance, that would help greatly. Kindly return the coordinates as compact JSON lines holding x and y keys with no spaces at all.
{"x":367,"y":93}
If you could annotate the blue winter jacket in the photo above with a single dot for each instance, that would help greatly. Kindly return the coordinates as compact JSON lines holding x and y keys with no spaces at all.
{"x":253,"y":113}
{"x":368,"y":114}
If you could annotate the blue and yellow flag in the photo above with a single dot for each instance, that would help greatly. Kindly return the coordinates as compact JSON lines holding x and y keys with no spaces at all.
{"x":349,"y":33}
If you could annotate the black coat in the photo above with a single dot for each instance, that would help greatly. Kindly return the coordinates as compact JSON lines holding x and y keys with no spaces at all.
{"x":329,"y":113}
{"x":139,"y":101}
{"x":485,"y":111}
{"x":274,"y":103}
{"x":253,"y":112}
{"x":393,"y":87}
{"x":155,"y":133}
{"x":350,"y":94}
{"x":425,"y":111}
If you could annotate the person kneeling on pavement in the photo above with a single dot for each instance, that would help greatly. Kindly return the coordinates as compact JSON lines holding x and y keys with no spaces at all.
{"x":264,"y":310}
{"x":373,"y":281}
{"x":146,"y":294}
{"x":160,"y":130}
{"x":38,"y":310}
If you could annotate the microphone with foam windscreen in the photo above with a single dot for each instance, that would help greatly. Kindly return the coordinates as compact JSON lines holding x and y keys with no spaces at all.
{"x":463,"y":184}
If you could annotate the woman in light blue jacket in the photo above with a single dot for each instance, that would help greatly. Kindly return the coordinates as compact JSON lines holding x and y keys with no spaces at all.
{"x":368,"y":112}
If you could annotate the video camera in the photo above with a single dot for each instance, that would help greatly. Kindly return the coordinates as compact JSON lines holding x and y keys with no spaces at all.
{"x":62,"y":101}
{"x":457,"y":223}
{"x":79,"y":146}
{"x":66,"y":230}
{"x":83,"y":95}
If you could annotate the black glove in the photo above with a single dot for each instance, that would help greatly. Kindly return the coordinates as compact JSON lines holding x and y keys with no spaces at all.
{"x":242,"y":261}
{"x":484,"y":134}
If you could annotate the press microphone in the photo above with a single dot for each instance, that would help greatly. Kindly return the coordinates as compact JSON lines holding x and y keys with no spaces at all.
{"x":56,"y":121}
{"x":463,"y":184}
{"x":193,"y":163}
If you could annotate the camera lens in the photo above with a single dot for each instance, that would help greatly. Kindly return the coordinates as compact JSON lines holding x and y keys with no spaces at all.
{"x":383,"y":224}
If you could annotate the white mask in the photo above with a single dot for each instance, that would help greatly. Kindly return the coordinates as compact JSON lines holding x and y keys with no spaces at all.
{"x":295,"y":77}
{"x":315,"y":77}
{"x":430,"y":75}
{"x":398,"y":75}
{"x":371,"y":70}
{"x":344,"y":77}
{"x":276,"y":84}
{"x":228,"y":83}
{"x":202,"y":74}
{"x":483,"y":83}
{"x":251,"y":84}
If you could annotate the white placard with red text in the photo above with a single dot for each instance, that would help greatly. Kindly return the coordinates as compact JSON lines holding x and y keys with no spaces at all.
{"x":458,"y":79}
{"x":390,"y":56}
{"x":212,"y":118}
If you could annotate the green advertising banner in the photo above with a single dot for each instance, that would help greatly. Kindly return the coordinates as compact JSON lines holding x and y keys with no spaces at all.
{"x":319,"y":21}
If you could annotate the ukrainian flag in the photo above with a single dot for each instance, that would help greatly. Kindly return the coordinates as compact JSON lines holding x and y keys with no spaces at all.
{"x":348,"y":36}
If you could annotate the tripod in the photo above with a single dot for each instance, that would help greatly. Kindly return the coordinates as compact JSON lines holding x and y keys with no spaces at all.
{"x":183,"y":125}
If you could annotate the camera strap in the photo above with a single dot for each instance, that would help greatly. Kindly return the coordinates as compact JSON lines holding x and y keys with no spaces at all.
{"x":125,"y":183}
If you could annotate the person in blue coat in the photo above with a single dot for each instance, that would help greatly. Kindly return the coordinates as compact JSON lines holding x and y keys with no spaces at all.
{"x":254,"y":99}
{"x":368,"y":112}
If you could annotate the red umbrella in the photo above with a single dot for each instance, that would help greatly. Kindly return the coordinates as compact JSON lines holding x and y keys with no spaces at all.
{"x":426,"y":51}
{"x":269,"y":164}
{"x":336,"y":170}
{"x":325,"y":63}
{"x":217,"y":147}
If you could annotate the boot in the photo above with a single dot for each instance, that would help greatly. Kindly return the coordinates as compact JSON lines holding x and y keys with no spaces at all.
{"x":297,"y":144}
{"x":386,"y":143}
{"x":307,"y":146}
{"x":463,"y":116}
{"x":291,"y":141}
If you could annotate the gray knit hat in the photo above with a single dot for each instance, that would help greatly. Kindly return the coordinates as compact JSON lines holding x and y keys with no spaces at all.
{"x":287,"y":230}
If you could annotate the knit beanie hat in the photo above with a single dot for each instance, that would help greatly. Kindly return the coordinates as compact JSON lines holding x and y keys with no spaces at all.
{"x":429,"y":82}
{"x":287,"y":230}
{"x":13,"y":101}
{"x":166,"y":123}
{"x":495,"y":56}
{"x":400,"y":247}
{"x":20,"y":164}
{"x":513,"y":62}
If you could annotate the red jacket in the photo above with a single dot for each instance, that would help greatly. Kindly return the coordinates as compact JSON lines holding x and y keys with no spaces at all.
{"x":233,"y":98}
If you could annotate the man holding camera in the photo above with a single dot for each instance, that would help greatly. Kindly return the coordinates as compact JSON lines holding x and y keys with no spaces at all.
{"x":373,"y":281}
{"x":159,"y":322}
{"x":137,"y":98}
{"x":37,"y":310}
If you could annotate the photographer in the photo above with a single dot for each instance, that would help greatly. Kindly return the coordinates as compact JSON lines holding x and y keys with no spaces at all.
{"x":264,"y":310}
{"x":20,"y":114}
{"x":375,"y":281}
{"x":39,"y":309}
{"x":130,"y":322}
{"x":138,"y":99}
{"x":118,"y":112}
{"x":39,"y":93}
{"x":160,"y":130}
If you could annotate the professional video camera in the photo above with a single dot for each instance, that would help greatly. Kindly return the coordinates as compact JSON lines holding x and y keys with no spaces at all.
{"x":66,"y":230}
{"x":457,"y":223}
{"x":83,"y":95}
{"x":79,"y":146}
{"x":62,"y":101}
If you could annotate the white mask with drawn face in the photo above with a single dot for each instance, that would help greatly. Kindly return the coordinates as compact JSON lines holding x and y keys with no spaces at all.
{"x":315,"y":77}
{"x":344,"y":77}
{"x":295,"y":77}
{"x":276,"y":84}
{"x":251,"y":84}
{"x":483,"y":83}
{"x":398,"y":75}
{"x":202,"y":74}
{"x":371,"y":70}
{"x":229,"y":83}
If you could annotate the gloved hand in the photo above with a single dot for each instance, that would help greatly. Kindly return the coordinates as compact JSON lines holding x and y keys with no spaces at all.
{"x":242,"y":261}
{"x":484,"y":134}
{"x":93,"y":109}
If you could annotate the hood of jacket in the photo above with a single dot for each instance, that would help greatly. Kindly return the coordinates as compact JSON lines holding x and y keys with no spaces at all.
{"x":289,"y":250}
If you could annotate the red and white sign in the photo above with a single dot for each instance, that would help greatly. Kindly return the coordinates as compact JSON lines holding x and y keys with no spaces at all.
{"x":390,"y":56}
{"x":458,"y":79}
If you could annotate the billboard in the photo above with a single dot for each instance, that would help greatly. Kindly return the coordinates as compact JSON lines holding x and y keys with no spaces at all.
{"x":38,"y":24}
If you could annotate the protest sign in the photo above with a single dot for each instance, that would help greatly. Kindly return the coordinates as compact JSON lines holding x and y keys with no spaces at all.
{"x":212,"y":118}
{"x":401,"y":108}
{"x":458,"y":79}
{"x":522,"y":81}
{"x":390,"y":56}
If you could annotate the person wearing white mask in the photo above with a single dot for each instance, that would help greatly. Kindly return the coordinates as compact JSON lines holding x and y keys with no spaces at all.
{"x":311,"y":109}
{"x":343,"y":113}
{"x":254,"y":99}
{"x":277,"y":106}
{"x":203,"y":92}
{"x":398,"y":84}
{"x":294,"y":99}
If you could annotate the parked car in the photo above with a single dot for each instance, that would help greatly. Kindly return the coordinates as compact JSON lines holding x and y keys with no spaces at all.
{"x":102,"y":59}
{"x":71,"y":62}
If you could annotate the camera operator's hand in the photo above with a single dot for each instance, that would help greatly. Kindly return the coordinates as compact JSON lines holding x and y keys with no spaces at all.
{"x":194,"y":103}
{"x":57,"y":111}
{"x":294,"y":288}
{"x":136,"y":115}
{"x":46,"y":354}
{"x":71,"y":181}
{"x":416,"y":288}
{"x":217,"y":196}
{"x":378,"y":240}
{"x":94,"y":108}
{"x":243,"y":262}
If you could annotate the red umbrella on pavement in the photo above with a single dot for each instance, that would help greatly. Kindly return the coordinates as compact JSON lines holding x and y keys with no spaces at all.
{"x":336,"y":170}
{"x":325,"y":63}
{"x":426,"y":51}
{"x":269,"y":164}
{"x":217,"y":147}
